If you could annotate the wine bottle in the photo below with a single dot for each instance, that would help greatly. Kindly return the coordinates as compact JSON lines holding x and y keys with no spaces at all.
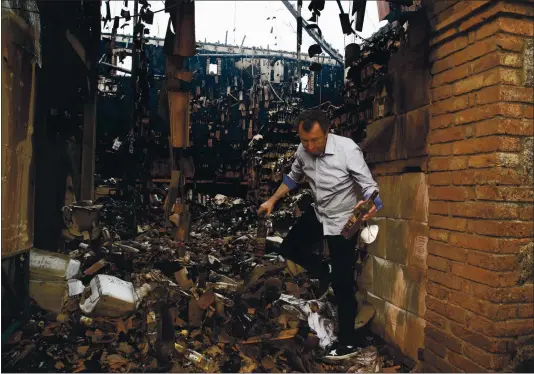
{"x":357,"y":215}
{"x":261,"y":235}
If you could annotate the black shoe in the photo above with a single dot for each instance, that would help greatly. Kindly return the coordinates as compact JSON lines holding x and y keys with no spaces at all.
{"x":339,"y":352}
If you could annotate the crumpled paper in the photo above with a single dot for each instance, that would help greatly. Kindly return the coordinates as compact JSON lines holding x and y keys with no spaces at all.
{"x":315,"y":312}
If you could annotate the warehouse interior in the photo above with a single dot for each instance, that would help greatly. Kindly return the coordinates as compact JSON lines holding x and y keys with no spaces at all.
{"x":141,"y":139}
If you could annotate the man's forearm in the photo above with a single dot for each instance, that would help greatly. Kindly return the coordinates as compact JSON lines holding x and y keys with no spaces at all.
{"x":282,"y":191}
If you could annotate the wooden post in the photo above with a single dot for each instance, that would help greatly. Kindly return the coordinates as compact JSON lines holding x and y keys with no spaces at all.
{"x":89,"y":115}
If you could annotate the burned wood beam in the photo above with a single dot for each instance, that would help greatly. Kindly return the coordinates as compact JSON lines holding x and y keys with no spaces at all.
{"x":78,"y":47}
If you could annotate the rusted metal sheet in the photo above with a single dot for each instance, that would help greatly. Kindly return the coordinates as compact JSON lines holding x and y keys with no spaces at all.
{"x":18,"y":102}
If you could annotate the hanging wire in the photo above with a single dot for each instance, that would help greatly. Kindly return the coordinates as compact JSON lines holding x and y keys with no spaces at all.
{"x":235,"y":11}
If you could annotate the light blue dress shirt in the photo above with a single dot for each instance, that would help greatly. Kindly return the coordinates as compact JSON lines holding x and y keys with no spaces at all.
{"x":334,"y":178}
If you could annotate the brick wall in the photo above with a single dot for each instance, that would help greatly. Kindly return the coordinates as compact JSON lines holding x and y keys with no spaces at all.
{"x":478,"y":315}
{"x":394,"y":274}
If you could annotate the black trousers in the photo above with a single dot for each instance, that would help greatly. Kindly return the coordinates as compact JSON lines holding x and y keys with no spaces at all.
{"x":297,"y":246}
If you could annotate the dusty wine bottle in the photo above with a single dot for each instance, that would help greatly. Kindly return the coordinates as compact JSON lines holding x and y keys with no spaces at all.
{"x":353,"y":223}
{"x":261,"y":235}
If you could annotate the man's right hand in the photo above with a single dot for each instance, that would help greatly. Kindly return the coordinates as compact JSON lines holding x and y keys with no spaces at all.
{"x":266,"y":208}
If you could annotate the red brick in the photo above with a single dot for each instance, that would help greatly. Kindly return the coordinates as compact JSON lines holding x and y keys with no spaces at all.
{"x":451,"y":193}
{"x":475,"y":242}
{"x":496,"y":159}
{"x":509,"y":42}
{"x":484,"y":63}
{"x":513,"y":229}
{"x":447,"y":251}
{"x":516,"y":94}
{"x":448,"y":48}
{"x":487,"y":144}
{"x":447,"y":340}
{"x":525,"y":310}
{"x":435,"y":347}
{"x":446,"y":279}
{"x":526,"y":212}
{"x":438,"y":207}
{"x":515,"y":327}
{"x":488,"y":360}
{"x":427,"y":368}
{"x":484,"y":276}
{"x":528,"y":111}
{"x":518,"y":294}
{"x":440,"y":93}
{"x":487,"y":29}
{"x":440,"y":149}
{"x":464,"y":364}
{"x":497,"y":312}
{"x":476,"y":114}
{"x":446,"y":135}
{"x":484,"y":210}
{"x":486,"y":176}
{"x":447,"y":163}
{"x":442,"y":121}
{"x":516,"y":26}
{"x":454,"y":224}
{"x":512,"y":245}
{"x":478,"y":339}
{"x":504,"y":193}
{"x":479,"y":113}
{"x":491,"y":261}
{"x":511,"y":110}
{"x":522,"y":9}
{"x":437,"y":290}
{"x":475,"y":50}
{"x":493,"y":60}
{"x":477,"y":81}
{"x":438,"y":263}
{"x":505,"y":93}
{"x":440,"y":65}
{"x":451,"y":75}
{"x":440,"y":178}
{"x":431,"y":360}
{"x":480,"y":16}
{"x":436,"y":319}
{"x":439,"y":235}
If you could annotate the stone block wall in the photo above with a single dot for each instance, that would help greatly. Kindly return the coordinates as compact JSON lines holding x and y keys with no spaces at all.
{"x":394,"y":273}
{"x":479,"y":316}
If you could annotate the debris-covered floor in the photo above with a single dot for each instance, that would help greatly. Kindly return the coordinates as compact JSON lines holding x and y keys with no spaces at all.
{"x":147,"y":303}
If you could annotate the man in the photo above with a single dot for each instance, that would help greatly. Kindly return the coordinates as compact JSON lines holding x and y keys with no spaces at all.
{"x":332,"y":165}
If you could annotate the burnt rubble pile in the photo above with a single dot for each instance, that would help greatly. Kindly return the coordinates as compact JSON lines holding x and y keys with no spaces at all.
{"x":152,"y":304}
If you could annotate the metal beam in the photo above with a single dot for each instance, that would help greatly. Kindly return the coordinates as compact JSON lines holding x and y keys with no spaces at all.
{"x":315,"y":35}
{"x":234,"y":49}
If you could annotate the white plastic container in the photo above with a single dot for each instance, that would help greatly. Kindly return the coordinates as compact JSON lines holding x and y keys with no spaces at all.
{"x":108,"y":296}
{"x":45,"y":265}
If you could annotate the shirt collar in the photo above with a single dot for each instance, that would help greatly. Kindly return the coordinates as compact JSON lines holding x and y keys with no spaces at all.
{"x":330,"y":145}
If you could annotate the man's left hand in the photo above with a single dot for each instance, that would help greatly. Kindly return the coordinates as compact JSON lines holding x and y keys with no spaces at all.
{"x":371,"y":213}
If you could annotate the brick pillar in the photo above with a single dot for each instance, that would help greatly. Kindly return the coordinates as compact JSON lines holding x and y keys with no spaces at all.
{"x":479,"y":305}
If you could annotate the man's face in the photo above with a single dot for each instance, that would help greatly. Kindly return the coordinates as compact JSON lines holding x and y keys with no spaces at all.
{"x":314,"y":141}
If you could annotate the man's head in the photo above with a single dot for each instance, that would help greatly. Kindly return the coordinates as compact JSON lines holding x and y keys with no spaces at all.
{"x":313,"y":129}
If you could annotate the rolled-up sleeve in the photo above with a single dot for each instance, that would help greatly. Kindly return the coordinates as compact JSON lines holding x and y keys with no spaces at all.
{"x":361,"y":174}
{"x":296,"y":174}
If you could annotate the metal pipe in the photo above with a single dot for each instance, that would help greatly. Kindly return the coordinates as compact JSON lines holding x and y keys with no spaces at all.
{"x":241,"y":55}
{"x":116,"y":67}
{"x":318,"y":39}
